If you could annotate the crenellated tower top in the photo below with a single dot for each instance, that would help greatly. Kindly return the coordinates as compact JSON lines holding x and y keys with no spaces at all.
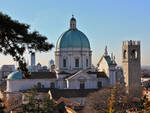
{"x":131,"y":42}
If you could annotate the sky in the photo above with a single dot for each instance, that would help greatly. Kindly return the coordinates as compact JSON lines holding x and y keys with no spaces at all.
{"x":104,"y":22}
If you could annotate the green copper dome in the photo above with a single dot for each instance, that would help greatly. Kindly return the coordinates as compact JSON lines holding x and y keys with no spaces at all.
{"x":15,"y":75}
{"x":73,"y":38}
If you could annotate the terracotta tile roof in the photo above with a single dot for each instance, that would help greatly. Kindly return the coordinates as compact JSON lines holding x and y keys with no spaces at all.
{"x":43,"y":75}
{"x":68,"y":102}
{"x":67,"y":93}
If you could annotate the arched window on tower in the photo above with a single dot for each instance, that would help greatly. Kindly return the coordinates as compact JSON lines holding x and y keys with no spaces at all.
{"x":134,"y":54}
{"x":76,"y":62}
{"x":125,"y":54}
{"x":64,"y":62}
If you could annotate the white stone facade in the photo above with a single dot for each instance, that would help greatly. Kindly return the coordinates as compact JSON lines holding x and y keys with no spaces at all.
{"x":24,"y":84}
{"x":70,"y":55}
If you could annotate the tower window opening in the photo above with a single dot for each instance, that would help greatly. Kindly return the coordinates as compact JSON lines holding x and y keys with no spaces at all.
{"x":64,"y":62}
{"x":125,"y":54}
{"x":134,"y":54}
{"x":77,"y":62}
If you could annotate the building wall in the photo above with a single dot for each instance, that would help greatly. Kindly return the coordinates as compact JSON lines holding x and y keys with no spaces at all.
{"x":109,"y":69}
{"x":104,"y":67}
{"x":61,"y":84}
{"x":113,"y":74}
{"x":105,"y":81}
{"x":89,"y":83}
{"x":70,"y":55}
{"x":23,"y":84}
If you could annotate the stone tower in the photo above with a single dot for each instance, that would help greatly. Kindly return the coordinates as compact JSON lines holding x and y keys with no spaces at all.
{"x":131,"y":63}
{"x":32,"y":59}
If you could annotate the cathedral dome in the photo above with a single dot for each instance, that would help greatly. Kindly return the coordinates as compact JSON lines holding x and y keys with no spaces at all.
{"x":15,"y":75}
{"x":73,"y":38}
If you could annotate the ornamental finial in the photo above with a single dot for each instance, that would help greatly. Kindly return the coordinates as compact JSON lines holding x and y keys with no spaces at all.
{"x":72,"y":22}
{"x":72,"y":15}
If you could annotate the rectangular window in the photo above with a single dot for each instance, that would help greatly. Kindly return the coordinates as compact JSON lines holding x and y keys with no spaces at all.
{"x":86,"y":62}
{"x":99,"y":84}
{"x":76,"y":62}
{"x":64,"y":62}
{"x":52,"y":85}
{"x":82,"y":86}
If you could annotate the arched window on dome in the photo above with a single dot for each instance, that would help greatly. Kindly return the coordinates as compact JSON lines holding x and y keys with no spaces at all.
{"x":64,"y":62}
{"x":76,"y":62}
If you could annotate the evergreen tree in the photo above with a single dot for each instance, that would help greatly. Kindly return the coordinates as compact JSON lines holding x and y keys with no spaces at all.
{"x":2,"y":107}
{"x":32,"y":105}
{"x":48,"y":105}
{"x":35,"y":105}
{"x":15,"y":39}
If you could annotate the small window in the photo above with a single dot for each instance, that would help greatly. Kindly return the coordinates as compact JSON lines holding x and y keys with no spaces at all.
{"x":38,"y":85}
{"x":76,"y":62}
{"x":82,"y":85}
{"x":52,"y":85}
{"x":42,"y":86}
{"x":99,"y":84}
{"x":87,"y":63}
{"x":64,"y":62}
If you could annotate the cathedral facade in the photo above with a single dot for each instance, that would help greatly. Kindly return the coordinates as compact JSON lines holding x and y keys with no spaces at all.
{"x":73,"y":68}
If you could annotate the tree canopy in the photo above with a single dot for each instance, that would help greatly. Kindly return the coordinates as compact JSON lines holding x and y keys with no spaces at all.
{"x":15,"y":39}
{"x":114,"y":99}
{"x":38,"y":105}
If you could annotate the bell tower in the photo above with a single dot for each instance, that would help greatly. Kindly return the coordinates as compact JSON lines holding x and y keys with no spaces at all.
{"x":131,"y":63}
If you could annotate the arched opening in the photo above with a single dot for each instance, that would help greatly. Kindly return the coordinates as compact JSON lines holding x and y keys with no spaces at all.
{"x":134,"y":54}
{"x":125,"y":54}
